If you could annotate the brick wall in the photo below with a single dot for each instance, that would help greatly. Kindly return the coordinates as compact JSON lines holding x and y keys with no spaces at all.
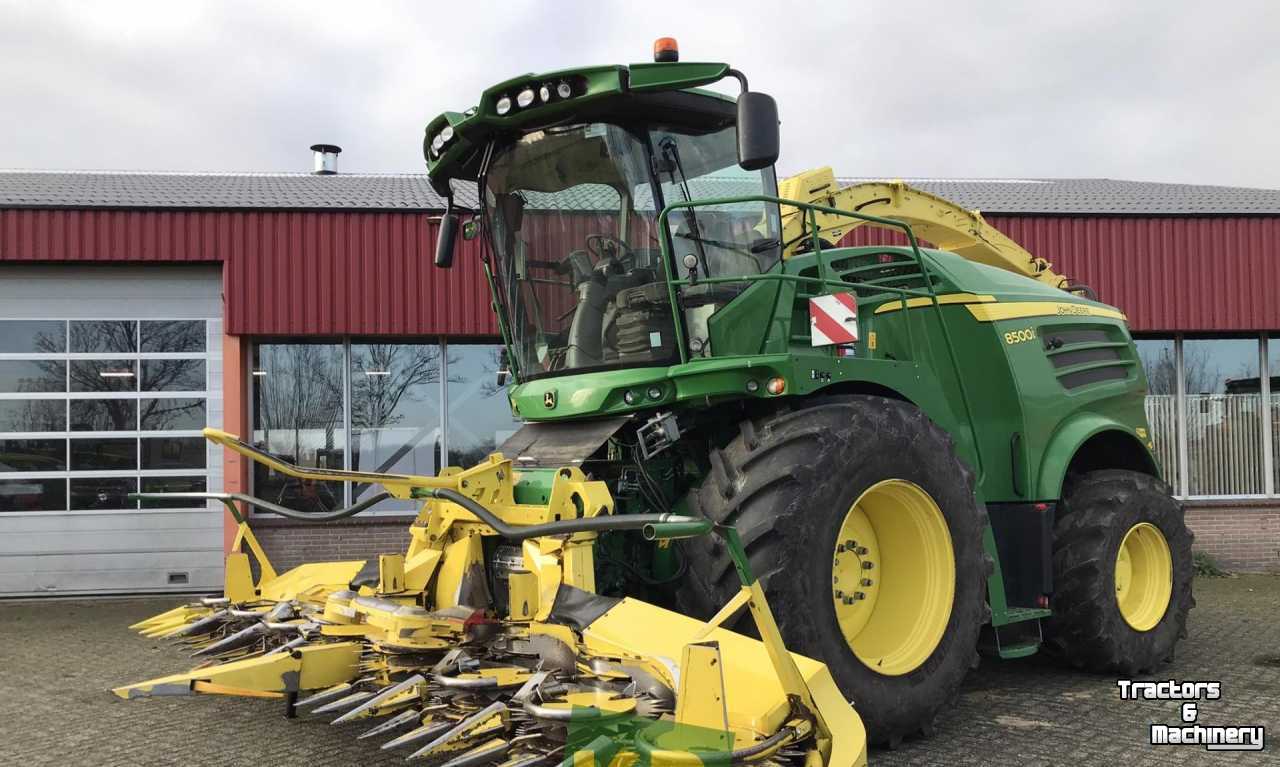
{"x":1240,"y":536}
{"x":289,"y":543}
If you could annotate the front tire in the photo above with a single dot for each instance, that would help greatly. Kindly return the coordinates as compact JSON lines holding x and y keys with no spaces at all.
{"x":1122,"y":574}
{"x":845,"y":491}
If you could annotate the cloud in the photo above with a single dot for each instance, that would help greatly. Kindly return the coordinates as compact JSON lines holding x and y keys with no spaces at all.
{"x":1164,"y":91}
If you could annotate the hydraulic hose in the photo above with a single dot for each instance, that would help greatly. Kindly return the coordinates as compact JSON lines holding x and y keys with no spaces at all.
{"x":563,"y":527}
{"x":268,"y":506}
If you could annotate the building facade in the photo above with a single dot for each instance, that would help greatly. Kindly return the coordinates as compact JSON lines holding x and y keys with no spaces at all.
{"x":303,"y":312}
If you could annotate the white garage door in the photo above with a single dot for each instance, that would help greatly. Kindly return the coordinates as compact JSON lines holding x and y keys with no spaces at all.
{"x":107,"y":376}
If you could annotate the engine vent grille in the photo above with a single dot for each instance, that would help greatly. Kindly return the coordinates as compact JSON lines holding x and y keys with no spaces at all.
{"x":1082,"y":356}
{"x":877,"y":270}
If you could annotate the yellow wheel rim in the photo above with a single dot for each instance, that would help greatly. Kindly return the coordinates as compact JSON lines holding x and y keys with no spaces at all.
{"x":893,"y":577}
{"x":1144,"y":576}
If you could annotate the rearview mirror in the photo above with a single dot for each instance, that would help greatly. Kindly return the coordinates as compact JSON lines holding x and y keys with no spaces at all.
{"x":446,"y":239}
{"x":758,"y":142}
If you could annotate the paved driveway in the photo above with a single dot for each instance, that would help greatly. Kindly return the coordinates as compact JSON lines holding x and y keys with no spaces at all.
{"x":57,"y":659}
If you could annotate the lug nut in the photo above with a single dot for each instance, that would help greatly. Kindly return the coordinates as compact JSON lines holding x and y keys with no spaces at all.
{"x":860,"y":551}
{"x":867,"y":581}
{"x":859,"y":595}
{"x":868,"y":565}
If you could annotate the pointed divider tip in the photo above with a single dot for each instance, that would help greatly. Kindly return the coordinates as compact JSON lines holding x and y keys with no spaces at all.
{"x":342,"y":704}
{"x":425,"y":732}
{"x":333,"y":693}
{"x":476,"y":719}
{"x":381,"y":697}
{"x":402,"y":719}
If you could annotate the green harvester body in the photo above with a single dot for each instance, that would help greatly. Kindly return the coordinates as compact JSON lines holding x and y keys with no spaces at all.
{"x":1030,"y":381}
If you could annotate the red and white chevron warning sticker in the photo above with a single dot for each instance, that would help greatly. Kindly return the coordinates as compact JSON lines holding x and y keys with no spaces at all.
{"x":833,"y":319}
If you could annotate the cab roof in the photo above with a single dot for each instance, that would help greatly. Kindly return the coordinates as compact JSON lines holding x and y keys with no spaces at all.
{"x":615,"y":93}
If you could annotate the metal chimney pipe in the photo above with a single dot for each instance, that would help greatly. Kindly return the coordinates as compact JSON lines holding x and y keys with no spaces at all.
{"x":326,"y":159}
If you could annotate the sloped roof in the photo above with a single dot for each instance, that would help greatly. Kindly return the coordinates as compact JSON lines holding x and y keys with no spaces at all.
{"x":411,"y":191}
{"x":278,"y":191}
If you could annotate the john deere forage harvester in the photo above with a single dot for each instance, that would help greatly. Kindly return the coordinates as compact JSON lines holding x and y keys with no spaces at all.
{"x":914,"y":454}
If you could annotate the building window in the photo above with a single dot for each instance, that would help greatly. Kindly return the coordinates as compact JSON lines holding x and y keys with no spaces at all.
{"x":1213,"y":412}
{"x":409,"y":408}
{"x":298,"y":415}
{"x":1223,"y":416}
{"x":92,"y":410}
{"x":395,"y":413}
{"x":479,"y":413}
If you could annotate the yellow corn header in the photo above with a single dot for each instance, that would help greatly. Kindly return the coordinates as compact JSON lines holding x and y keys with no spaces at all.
{"x":406,"y":646}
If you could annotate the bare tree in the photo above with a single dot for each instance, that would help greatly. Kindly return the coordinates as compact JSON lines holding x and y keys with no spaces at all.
{"x":385,"y":374}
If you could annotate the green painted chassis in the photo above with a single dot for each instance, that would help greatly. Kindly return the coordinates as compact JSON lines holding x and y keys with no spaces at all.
{"x":957,"y":369}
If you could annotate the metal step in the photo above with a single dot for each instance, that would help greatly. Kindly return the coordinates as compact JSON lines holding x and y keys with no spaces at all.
{"x":1018,"y":650}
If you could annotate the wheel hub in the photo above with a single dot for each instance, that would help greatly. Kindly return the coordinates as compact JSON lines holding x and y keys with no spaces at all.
{"x":1144,"y":576}
{"x":893,"y":577}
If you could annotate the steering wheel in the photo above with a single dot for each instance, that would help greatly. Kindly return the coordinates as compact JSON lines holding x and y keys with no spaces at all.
{"x":595,"y":244}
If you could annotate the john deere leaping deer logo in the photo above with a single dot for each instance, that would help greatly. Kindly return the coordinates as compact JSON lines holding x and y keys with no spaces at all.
{"x":549,"y":399}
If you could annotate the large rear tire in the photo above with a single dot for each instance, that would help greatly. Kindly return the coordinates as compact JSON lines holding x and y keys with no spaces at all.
{"x":862,"y":524}
{"x":1122,"y":573}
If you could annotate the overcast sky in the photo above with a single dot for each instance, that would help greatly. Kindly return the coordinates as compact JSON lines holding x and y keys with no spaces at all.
{"x":1160,"y":91}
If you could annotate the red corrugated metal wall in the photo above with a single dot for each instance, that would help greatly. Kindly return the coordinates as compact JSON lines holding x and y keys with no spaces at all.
{"x":370,"y":273}
{"x":285,"y":273}
{"x":1166,"y":274}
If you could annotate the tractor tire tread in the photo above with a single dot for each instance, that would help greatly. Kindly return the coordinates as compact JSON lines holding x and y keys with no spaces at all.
{"x":764,"y":483}
{"x":1087,"y":630}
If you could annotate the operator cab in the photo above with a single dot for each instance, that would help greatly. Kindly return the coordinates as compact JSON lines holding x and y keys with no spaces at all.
{"x":572,"y":203}
{"x":573,"y":222}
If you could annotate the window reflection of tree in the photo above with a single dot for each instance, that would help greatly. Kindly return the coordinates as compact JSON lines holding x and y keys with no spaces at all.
{"x":485,"y":388}
{"x":104,"y":336}
{"x":397,"y":371}
{"x":301,"y":394}
{"x":173,"y":336}
{"x":173,"y":375}
{"x":44,"y":376}
{"x":34,"y":415}
{"x":383,"y":377}
{"x":162,"y":414}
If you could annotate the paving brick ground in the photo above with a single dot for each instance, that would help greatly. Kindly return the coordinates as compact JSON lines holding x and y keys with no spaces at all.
{"x":57,"y":659}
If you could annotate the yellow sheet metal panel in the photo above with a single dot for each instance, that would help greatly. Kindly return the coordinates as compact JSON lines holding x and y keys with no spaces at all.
{"x":314,"y":580}
{"x":237,"y":579}
{"x":754,"y":695}
{"x":522,"y":589}
{"x":463,"y":560}
{"x":701,"y":700}
{"x":308,"y":668}
{"x":390,"y":573}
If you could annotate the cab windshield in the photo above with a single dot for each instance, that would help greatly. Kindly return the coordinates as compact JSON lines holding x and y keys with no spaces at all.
{"x":578,"y":266}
